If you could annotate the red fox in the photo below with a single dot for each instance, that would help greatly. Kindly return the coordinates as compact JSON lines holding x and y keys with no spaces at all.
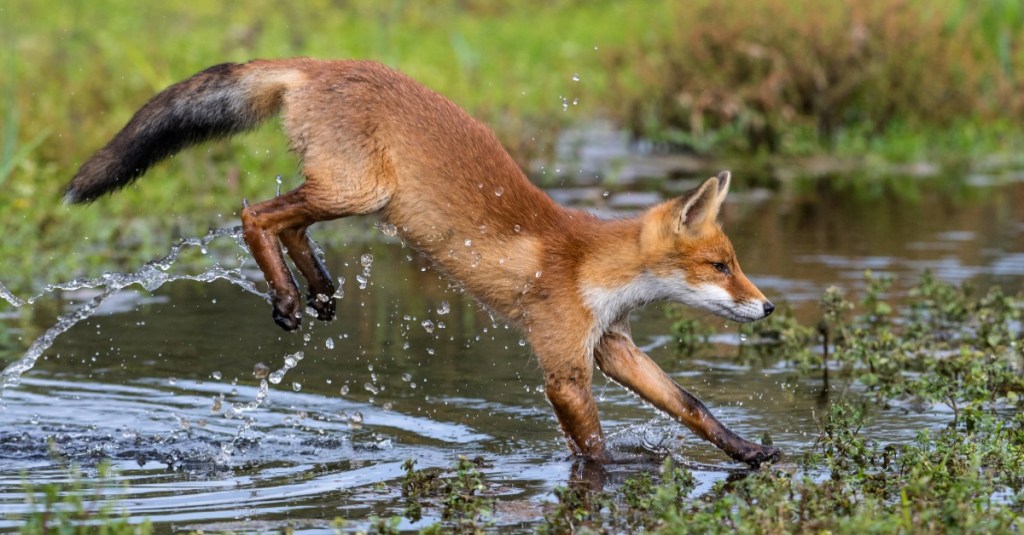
{"x":372,"y":140}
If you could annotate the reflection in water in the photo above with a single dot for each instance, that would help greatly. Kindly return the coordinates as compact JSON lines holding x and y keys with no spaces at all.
{"x":413,"y":369}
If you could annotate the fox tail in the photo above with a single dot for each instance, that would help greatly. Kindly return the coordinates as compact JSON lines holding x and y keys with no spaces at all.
{"x":218,"y":102}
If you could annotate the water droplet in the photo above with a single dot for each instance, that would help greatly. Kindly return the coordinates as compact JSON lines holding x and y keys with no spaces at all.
{"x":388,"y":405}
{"x":407,"y":377}
{"x":329,"y":343}
{"x":366,"y":260}
{"x":522,"y":342}
{"x":276,"y":377}
{"x":517,"y":228}
{"x":565,"y":104}
{"x":444,"y":308}
{"x":356,"y":418}
{"x":343,"y":390}
{"x":296,"y":386}
{"x":362,"y":281}
{"x":537,"y":274}
{"x":216,"y":375}
{"x":371,"y":389}
{"x":172,"y":381}
{"x":499,"y":191}
{"x":468,"y":243}
{"x":387,"y":229}
{"x":575,"y":76}
{"x":428,"y":325}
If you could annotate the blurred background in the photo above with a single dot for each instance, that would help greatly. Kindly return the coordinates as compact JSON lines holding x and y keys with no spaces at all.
{"x":840,"y":84}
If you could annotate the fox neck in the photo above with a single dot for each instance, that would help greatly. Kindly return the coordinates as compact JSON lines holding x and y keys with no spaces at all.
{"x":614,"y":279}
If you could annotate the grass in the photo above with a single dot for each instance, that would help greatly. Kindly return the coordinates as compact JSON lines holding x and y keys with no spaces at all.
{"x":74,"y":507}
{"x":910,"y":80}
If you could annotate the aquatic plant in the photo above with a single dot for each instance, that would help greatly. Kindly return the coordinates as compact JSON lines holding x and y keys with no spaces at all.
{"x":77,"y":506}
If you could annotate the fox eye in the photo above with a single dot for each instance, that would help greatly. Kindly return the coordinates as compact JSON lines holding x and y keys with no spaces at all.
{"x":721,"y":268}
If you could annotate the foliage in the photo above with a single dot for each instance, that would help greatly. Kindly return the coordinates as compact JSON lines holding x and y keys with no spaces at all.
{"x":944,"y":346}
{"x":691,"y":335}
{"x":75,"y":507}
{"x":465,"y":506}
{"x":910,"y":80}
{"x":780,"y":75}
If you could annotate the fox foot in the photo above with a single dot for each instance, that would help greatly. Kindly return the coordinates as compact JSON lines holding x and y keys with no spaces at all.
{"x":323,"y":303}
{"x":287,"y":314}
{"x":754,"y":455}
{"x":286,"y":311}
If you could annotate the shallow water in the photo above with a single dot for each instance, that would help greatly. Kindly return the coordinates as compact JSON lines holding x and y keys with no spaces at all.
{"x":147,"y":380}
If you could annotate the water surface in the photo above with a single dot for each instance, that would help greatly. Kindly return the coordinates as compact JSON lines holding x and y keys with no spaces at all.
{"x":413,"y":369}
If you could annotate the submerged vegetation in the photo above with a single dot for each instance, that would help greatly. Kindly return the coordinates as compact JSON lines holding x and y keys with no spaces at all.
{"x":74,"y":507}
{"x":943,"y":350}
{"x":946,"y":346}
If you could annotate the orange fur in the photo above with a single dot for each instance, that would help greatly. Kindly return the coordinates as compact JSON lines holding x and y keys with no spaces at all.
{"x":372,"y":140}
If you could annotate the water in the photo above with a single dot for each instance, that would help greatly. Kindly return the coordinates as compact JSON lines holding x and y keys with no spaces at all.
{"x":414,"y":369}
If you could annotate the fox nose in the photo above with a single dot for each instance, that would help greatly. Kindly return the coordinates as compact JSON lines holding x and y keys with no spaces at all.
{"x":768,"y":308}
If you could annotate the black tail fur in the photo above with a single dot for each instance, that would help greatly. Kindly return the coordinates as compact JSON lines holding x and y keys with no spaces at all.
{"x":209,"y":105}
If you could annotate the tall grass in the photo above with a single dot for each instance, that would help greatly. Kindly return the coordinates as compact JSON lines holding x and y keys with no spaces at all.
{"x":775,"y":74}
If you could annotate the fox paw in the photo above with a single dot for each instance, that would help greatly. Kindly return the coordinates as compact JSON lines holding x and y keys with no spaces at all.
{"x":286,"y":313}
{"x":756,"y":456}
{"x":323,"y":304}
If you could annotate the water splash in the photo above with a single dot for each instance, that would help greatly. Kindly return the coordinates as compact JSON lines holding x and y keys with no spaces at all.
{"x":150,"y":276}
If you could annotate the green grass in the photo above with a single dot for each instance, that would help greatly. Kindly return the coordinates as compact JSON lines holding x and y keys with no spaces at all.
{"x":73,"y":72}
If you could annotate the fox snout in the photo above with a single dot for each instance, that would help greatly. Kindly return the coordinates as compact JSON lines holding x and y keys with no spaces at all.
{"x":721,"y":302}
{"x":753,"y":310}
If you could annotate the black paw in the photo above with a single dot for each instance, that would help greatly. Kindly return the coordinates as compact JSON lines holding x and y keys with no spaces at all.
{"x":286,"y":313}
{"x":755,"y":458}
{"x":323,"y":304}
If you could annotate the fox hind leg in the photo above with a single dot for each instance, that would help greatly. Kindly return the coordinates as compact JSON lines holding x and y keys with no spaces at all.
{"x":263,"y":225}
{"x":283,"y":220}
{"x":321,"y":290}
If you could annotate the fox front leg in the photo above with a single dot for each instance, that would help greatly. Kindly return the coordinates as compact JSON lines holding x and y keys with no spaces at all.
{"x":619,"y":358}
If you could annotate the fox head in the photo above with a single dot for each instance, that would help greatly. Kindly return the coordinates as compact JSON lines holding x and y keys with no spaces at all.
{"x":692,"y":261}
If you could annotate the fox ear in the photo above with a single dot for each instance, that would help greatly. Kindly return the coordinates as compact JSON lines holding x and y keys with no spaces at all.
{"x":723,"y":185}
{"x":700,"y":207}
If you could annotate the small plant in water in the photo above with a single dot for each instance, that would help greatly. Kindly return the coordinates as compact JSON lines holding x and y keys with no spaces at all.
{"x":945,"y":346}
{"x":462,"y":495}
{"x":77,"y":506}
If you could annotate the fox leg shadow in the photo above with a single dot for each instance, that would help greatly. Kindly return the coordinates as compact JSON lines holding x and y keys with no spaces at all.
{"x":619,"y":358}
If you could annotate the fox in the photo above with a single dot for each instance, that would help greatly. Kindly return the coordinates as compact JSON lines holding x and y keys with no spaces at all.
{"x":372,"y":140}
